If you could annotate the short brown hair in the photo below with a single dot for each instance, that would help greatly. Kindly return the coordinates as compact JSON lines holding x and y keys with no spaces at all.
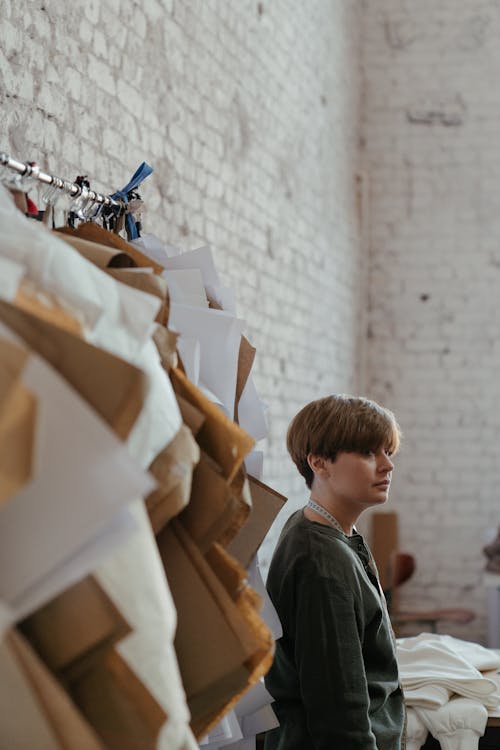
{"x":340,"y":423}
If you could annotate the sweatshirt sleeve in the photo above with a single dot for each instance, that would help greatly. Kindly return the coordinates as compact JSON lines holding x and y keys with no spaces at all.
{"x":329,"y":661}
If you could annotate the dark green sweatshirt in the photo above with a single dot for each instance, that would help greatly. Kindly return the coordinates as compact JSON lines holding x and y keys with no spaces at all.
{"x":334,"y":677}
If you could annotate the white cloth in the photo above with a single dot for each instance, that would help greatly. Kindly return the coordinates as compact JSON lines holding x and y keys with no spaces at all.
{"x":160,"y":419}
{"x":68,"y":505}
{"x":457,"y":725}
{"x":119,"y":319}
{"x":434,"y":667}
{"x":431,"y":671}
{"x":480,"y":657}
{"x":416,"y":731}
{"x":114,"y":317}
{"x":134,"y":578}
{"x":102,"y":306}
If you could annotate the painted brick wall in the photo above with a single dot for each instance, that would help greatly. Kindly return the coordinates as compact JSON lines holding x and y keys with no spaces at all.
{"x":432,"y":167}
{"x":248,"y":112}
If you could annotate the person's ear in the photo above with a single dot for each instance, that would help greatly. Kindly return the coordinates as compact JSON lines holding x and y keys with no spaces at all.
{"x":317,"y":464}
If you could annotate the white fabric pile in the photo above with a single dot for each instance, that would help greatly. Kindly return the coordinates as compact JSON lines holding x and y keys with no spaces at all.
{"x":446,"y":692}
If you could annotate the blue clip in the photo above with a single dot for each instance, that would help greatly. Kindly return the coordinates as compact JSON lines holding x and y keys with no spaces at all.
{"x":140,"y":174}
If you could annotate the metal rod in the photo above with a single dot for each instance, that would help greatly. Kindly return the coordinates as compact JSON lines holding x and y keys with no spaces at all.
{"x":69,"y":187}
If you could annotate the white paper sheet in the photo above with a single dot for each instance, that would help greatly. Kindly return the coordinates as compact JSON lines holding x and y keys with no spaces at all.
{"x":211,"y":397}
{"x":253,"y":700}
{"x":190,"y":353}
{"x":252,"y":412}
{"x":261,"y":721}
{"x":219,"y":335}
{"x":248,"y":743}
{"x":185,"y":286}
{"x":11,"y":275}
{"x":74,"y":568}
{"x":267,"y":611}
{"x":160,"y":418}
{"x":7,"y":618}
{"x":65,"y":505}
{"x":225,"y":733}
{"x":155,"y":249}
{"x":200,"y":258}
{"x":254,"y":464}
{"x":224,"y":296}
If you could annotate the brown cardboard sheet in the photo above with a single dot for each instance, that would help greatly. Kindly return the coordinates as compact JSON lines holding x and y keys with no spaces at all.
{"x":233,"y":577}
{"x":13,"y":358}
{"x":266,"y":504}
{"x":73,"y":626}
{"x":191,"y":416}
{"x":212,"y":507}
{"x":213,"y":640}
{"x":113,"y":387}
{"x":166,"y":343}
{"x":67,"y":723}
{"x":121,"y":710}
{"x":145,"y":282}
{"x":23,"y":723}
{"x":223,"y":440}
{"x":240,"y":489}
{"x":246,"y":357}
{"x":38,"y":301}
{"x":18,"y":408}
{"x":101,"y":256}
{"x":207,"y":709}
{"x":173,"y":469}
{"x":75,"y":635}
{"x":95,"y":233}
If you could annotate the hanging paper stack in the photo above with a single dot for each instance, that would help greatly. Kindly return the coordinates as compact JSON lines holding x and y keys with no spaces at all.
{"x":131,"y":497}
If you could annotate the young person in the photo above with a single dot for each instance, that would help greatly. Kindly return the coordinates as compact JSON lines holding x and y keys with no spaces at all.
{"x":334,"y":678}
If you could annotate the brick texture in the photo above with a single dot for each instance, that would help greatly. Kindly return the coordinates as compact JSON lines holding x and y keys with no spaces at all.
{"x":431,"y":165}
{"x":249,"y":113}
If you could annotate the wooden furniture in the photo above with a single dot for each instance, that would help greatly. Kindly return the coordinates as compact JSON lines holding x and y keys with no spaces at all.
{"x":402,"y":566}
{"x":494,"y":716}
{"x":383,"y":542}
{"x":491,"y":583}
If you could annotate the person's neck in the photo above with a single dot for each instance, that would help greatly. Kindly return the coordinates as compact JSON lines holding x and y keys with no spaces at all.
{"x":346,"y":517}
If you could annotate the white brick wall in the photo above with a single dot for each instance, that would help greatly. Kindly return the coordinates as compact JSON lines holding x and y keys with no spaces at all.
{"x":249,"y":114}
{"x":431,"y":114}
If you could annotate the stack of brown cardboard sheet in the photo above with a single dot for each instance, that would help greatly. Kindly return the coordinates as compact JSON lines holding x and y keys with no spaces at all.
{"x":159,"y":632}
{"x":36,"y":710}
{"x":227,"y":511}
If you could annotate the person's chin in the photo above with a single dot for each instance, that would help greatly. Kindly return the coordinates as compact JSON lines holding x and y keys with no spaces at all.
{"x":374,"y":501}
{"x":381,"y":497}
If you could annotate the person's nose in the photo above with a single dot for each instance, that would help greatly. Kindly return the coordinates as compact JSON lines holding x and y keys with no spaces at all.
{"x":385,"y":464}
